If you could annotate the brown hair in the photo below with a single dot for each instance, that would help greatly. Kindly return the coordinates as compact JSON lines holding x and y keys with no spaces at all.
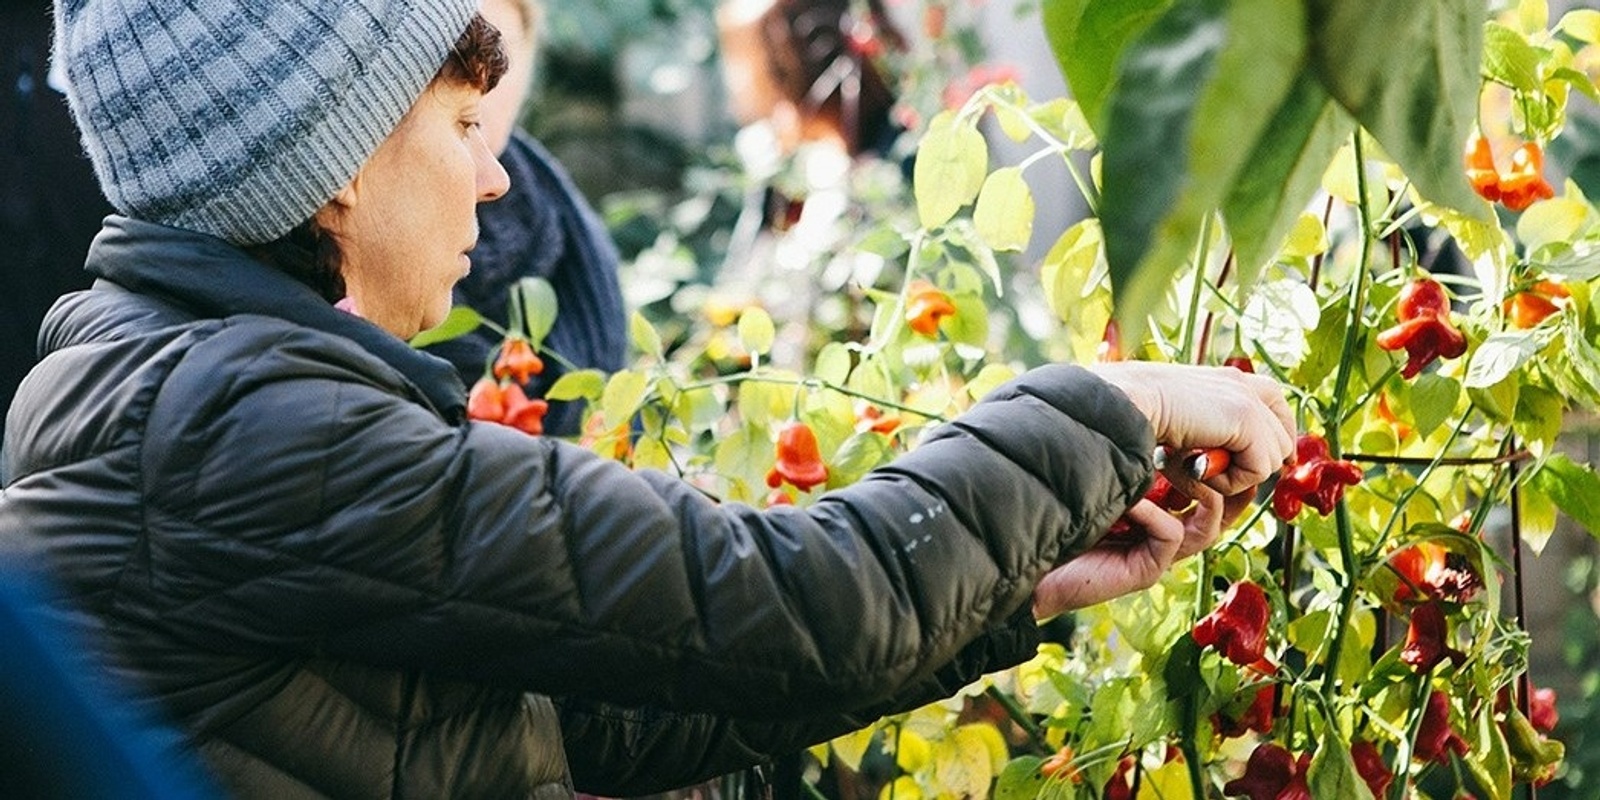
{"x":809,"y":56}
{"x":308,"y":252}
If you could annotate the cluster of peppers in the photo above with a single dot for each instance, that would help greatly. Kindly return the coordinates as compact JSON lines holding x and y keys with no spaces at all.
{"x":499,"y":397}
{"x":1517,"y":189}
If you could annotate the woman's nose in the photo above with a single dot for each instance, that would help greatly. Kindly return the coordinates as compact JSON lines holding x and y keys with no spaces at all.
{"x":493,"y":182}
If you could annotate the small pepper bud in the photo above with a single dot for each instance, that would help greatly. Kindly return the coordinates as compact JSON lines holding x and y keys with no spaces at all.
{"x":517,"y":361}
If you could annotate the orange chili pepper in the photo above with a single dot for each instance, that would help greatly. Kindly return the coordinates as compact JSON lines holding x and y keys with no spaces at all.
{"x":1481,"y":171}
{"x":486,"y":401}
{"x":517,"y":361}
{"x":926,"y":306}
{"x":1525,"y":183}
{"x":799,"y":460}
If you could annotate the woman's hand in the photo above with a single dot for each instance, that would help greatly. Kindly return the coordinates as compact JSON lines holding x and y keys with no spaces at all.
{"x":1203,"y":407}
{"x":1116,"y":567}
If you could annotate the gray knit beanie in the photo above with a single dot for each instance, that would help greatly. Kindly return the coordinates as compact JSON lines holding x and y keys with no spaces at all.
{"x":240,"y":118}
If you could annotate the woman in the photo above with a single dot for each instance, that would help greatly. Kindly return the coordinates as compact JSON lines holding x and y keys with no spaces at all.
{"x":274,"y":517}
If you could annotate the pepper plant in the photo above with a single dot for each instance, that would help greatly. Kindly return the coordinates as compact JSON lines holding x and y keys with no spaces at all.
{"x":1275,"y":186}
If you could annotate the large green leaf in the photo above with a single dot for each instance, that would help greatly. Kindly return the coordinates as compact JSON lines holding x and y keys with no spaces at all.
{"x":1574,"y":488}
{"x":1333,"y":771}
{"x":1282,"y":174}
{"x":1088,"y":37}
{"x":952,"y":161}
{"x":1145,"y":162}
{"x":1198,"y":90}
{"x":1409,"y":73}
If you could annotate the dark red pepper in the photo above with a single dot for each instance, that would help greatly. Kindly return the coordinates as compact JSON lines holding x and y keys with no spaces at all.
{"x":1239,"y":361}
{"x":1258,"y":716}
{"x":799,"y":461}
{"x":1428,"y":639}
{"x":1434,"y":571}
{"x":1371,"y":767}
{"x":1237,"y":627}
{"x":1120,"y":785}
{"x":1313,"y":477}
{"x":1272,"y":773}
{"x":1436,"y":740}
{"x":1424,"y":330}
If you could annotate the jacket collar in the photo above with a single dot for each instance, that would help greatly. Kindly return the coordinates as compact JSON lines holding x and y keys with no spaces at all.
{"x":214,"y":279}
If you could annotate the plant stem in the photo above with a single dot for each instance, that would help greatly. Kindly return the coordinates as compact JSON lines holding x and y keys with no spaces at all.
{"x":1335,"y":414}
{"x":1020,"y":716}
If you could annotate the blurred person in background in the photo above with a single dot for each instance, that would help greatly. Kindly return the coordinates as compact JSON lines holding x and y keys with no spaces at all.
{"x":543,"y":227}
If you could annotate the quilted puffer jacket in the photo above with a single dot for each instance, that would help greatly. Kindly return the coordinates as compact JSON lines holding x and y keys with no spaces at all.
{"x":275,"y":517}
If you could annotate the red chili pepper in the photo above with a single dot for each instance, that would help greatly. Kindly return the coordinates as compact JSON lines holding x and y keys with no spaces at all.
{"x":522,"y":413}
{"x":1525,"y":183}
{"x":1371,"y":767}
{"x":1424,"y":328}
{"x":1239,"y":361}
{"x":517,"y":361}
{"x":1481,"y":172}
{"x":1312,"y":477}
{"x":1110,"y":348}
{"x":1272,"y":773}
{"x":799,"y":459}
{"x":1542,"y":710}
{"x":1163,"y":494}
{"x":779,"y":497}
{"x":1436,"y":740}
{"x":1428,"y":639}
{"x":486,"y":401}
{"x":926,"y":305}
{"x":1435,"y":572}
{"x":1120,"y":785}
{"x":1237,"y":627}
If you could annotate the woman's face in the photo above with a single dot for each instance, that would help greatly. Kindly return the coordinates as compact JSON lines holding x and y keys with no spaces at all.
{"x":404,"y":224}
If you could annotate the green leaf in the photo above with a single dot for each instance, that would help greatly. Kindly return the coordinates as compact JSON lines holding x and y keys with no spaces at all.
{"x":539,"y":307}
{"x":1510,"y":59}
{"x":1333,"y":772}
{"x":1433,"y":399}
{"x":583,"y":384}
{"x":644,"y":335}
{"x":970,"y":323}
{"x":1324,"y":346}
{"x":1409,"y":73}
{"x":1004,"y":214}
{"x":461,"y":321}
{"x":833,"y":363}
{"x":622,"y":396}
{"x":988,"y":379}
{"x":1068,"y":267}
{"x":1499,"y":356}
{"x":1020,"y":780}
{"x":1575,"y":488}
{"x":1582,"y":24}
{"x":1198,"y":90}
{"x":1146,"y":147}
{"x":1088,"y":38}
{"x":1539,"y":412}
{"x":1557,"y":220}
{"x":1489,"y":761}
{"x":1182,"y":672}
{"x":1277,"y":316}
{"x":1282,"y":173}
{"x":860,"y":454}
{"x":1063,"y":119}
{"x":756,"y":331}
{"x":1498,"y":402}
{"x":952,"y":160}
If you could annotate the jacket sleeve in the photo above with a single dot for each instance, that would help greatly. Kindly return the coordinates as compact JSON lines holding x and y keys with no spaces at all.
{"x":314,"y":512}
{"x":624,"y":752}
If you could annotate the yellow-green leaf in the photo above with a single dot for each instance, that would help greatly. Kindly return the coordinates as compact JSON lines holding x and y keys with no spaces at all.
{"x":756,"y":331}
{"x":644,"y":335}
{"x":622,"y":396}
{"x":1004,"y":214}
{"x":461,"y":321}
{"x":583,"y":384}
{"x":852,"y":746}
{"x":1582,"y":24}
{"x":951,"y":162}
{"x":1558,"y":219}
